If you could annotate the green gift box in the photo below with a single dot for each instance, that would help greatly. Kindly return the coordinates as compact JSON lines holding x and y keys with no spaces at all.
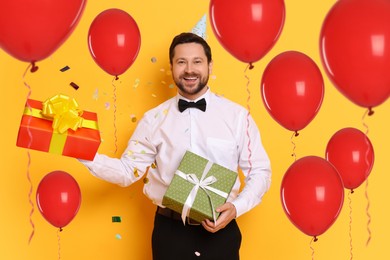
{"x":198,"y":188}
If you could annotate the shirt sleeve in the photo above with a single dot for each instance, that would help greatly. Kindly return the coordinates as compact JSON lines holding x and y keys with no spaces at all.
{"x":132,"y":165}
{"x":255,"y":165}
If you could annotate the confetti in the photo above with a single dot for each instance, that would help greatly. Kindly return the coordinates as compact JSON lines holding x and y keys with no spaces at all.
{"x":133,"y":118}
{"x":153,"y":59}
{"x":154,"y":95}
{"x":95,"y":94}
{"x":74,"y":85}
{"x":197,"y":253}
{"x":154,"y":165}
{"x":136,"y":173}
{"x":116,"y":219}
{"x":165,"y":111}
{"x":118,"y":236}
{"x":136,"y":83}
{"x":145,"y":180}
{"x":107,"y":105}
{"x":64,"y":68}
{"x":171,"y":86}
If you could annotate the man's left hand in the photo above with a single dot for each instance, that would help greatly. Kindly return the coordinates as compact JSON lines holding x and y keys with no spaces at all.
{"x":228,"y":213}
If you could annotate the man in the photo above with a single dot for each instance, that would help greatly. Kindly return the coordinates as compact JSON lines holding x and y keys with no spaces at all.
{"x":218,"y":130}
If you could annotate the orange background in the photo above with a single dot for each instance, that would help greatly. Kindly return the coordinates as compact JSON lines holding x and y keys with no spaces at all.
{"x":267,"y":233}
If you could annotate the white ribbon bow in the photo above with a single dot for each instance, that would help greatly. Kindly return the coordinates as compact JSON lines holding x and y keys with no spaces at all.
{"x":203,"y":183}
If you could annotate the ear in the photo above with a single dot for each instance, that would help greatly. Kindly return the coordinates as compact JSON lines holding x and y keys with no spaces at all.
{"x":210,"y":67}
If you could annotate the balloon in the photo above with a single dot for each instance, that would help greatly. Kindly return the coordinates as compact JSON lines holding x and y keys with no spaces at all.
{"x":292,"y":89}
{"x":355,"y":50}
{"x":312,"y":194}
{"x":114,"y":41}
{"x":247,"y":29}
{"x":32,"y":30}
{"x":351,"y":152}
{"x":58,"y":198}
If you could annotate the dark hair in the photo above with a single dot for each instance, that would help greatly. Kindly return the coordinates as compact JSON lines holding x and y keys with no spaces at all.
{"x":187,"y":37}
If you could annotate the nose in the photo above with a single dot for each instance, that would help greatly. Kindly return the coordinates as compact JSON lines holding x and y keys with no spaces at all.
{"x":188,"y":67}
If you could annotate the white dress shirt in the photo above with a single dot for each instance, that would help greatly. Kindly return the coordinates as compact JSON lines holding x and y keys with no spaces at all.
{"x":221,"y":134}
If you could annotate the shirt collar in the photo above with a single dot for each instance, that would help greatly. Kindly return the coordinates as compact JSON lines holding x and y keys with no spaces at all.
{"x":205,"y":96}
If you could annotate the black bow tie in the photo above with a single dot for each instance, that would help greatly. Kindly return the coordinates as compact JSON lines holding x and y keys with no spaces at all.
{"x":183,"y":105}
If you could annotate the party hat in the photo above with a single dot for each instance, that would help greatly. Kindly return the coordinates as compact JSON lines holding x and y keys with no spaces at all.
{"x":200,"y":27}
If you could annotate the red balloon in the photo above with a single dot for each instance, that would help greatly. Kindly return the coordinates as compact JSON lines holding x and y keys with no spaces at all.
{"x":247,"y":29}
{"x":312,"y":194}
{"x":351,"y":152}
{"x":58,"y":198}
{"x":32,"y":30}
{"x":292,"y":89}
{"x":114,"y":41}
{"x":355,"y":50}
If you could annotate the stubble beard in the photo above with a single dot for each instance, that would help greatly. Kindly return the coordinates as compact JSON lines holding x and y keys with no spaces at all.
{"x":194,"y":90}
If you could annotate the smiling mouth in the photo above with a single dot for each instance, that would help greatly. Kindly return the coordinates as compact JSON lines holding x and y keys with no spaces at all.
{"x":192,"y":78}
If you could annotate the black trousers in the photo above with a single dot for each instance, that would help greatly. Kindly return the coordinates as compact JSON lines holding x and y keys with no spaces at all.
{"x":171,"y":240}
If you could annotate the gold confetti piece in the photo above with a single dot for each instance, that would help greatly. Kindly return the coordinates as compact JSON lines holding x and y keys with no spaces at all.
{"x":133,"y":118}
{"x":163,"y":82}
{"x":165,"y":111}
{"x":136,"y":83}
{"x":162,"y":69}
{"x":146,"y":180}
{"x":153,"y":59}
{"x":153,"y":165}
{"x":143,"y":152}
{"x":171,"y":86}
{"x":154,"y":95}
{"x":136,"y":173}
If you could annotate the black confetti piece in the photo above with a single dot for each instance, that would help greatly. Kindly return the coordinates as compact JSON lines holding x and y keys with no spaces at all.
{"x":74,"y":85}
{"x":65,"y":68}
{"x":116,"y":219}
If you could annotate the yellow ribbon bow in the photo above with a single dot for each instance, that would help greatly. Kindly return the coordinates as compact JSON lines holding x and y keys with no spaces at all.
{"x":64,"y":112}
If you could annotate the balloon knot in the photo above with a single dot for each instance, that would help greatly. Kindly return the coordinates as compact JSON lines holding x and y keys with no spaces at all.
{"x":116,"y":77}
{"x":315,"y":239}
{"x":34,"y":67}
{"x":352,"y":191}
{"x":61,"y":229}
{"x":251,"y":65}
{"x":370,"y":111}
{"x":296,"y":133}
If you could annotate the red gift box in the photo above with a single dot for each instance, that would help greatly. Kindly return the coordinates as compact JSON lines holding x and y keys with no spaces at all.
{"x":36,"y":132}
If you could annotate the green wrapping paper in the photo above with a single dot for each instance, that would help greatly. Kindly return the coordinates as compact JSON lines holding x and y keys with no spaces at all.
{"x":199,"y":185}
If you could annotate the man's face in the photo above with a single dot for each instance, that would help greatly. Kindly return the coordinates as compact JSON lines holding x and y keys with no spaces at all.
{"x":190,"y":70}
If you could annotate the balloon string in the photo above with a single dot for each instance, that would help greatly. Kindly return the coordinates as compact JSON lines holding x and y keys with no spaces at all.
{"x":247,"y":120}
{"x":314,"y":239}
{"x":115,"y":129}
{"x":28,"y":154}
{"x":350,"y":224}
{"x":368,"y":168}
{"x":59,"y":242}
{"x":294,"y":146}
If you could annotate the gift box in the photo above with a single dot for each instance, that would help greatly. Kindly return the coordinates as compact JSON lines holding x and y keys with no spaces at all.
{"x":198,"y":188}
{"x":58,"y":126}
